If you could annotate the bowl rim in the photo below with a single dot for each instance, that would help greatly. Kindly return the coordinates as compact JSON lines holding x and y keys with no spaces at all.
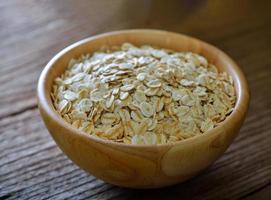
{"x":241,"y":105}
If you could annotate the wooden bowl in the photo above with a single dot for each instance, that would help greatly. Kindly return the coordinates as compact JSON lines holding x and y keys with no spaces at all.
{"x":142,"y":166}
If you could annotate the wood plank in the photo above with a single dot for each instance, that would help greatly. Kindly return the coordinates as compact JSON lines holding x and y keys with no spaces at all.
{"x":33,"y":167}
{"x":261,"y":193}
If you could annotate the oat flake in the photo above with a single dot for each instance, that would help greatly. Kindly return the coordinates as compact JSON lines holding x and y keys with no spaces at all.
{"x":143,"y":95}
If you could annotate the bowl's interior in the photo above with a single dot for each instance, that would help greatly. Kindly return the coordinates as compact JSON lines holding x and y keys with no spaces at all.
{"x":161,"y":39}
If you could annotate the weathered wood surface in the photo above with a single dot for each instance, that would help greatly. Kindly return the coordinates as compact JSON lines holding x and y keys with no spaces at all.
{"x":31,"y":32}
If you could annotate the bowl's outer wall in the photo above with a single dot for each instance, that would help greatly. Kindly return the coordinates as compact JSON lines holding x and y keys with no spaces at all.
{"x":142,"y":166}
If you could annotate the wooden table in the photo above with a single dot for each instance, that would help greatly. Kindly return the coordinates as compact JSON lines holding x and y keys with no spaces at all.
{"x":31,"y":32}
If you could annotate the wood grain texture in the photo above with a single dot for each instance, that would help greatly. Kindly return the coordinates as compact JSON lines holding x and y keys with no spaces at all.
{"x":32,"y":167}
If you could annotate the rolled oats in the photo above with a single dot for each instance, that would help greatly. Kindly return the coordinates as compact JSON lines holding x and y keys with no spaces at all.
{"x":143,"y":95}
{"x":141,"y":76}
{"x":139,"y":96}
{"x":146,"y":109}
{"x":62,"y":106}
{"x":123,"y":95}
{"x":110,"y":101}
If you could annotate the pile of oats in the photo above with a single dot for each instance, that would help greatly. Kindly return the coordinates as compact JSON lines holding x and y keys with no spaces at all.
{"x":143,"y":95}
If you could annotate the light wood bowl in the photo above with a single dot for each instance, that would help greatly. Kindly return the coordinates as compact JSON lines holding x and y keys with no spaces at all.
{"x":142,"y":166}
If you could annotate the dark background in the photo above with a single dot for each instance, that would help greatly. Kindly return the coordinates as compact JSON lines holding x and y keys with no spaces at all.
{"x":32,"y":31}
